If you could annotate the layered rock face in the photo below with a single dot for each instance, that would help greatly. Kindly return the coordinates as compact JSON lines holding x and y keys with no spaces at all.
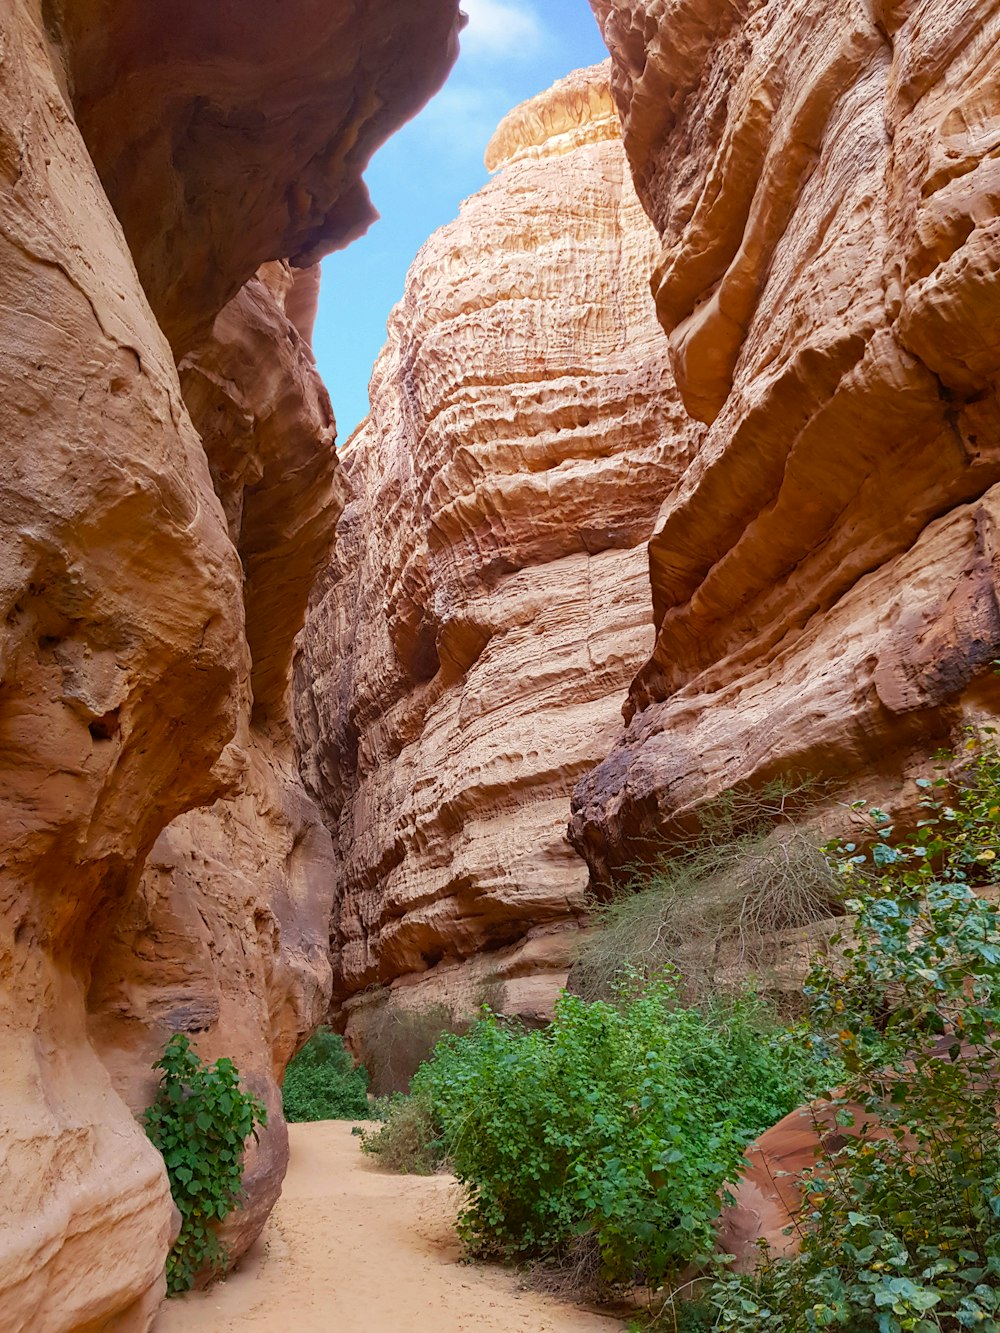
{"x":467,"y":652}
{"x":164,"y":510}
{"x":825,"y":183}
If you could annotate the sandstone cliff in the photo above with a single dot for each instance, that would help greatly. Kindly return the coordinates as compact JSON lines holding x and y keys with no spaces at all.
{"x":825,"y":183}
{"x":166,"y":497}
{"x":467,"y":652}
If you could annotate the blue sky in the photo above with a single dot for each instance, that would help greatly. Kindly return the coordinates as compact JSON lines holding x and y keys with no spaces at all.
{"x":511,"y":50}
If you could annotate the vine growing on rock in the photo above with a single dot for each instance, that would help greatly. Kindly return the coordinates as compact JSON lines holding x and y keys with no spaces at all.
{"x":200,"y":1122}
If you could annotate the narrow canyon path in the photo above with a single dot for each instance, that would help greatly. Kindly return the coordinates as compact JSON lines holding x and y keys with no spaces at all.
{"x":353,"y":1249}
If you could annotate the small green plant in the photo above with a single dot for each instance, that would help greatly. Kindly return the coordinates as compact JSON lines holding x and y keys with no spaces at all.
{"x":200,"y":1122}
{"x":901,"y":1225}
{"x":322,"y":1082}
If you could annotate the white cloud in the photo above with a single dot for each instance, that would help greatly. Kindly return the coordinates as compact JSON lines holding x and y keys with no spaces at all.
{"x":463,"y":116}
{"x":500,"y":29}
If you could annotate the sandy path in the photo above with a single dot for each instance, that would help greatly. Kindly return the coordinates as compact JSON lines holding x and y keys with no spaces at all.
{"x":352,"y":1249}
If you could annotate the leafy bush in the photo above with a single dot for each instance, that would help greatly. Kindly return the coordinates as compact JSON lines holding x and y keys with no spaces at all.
{"x":322,"y":1083}
{"x":200,"y":1121}
{"x":901,"y":1229}
{"x":717,"y":904}
{"x":619,"y":1122}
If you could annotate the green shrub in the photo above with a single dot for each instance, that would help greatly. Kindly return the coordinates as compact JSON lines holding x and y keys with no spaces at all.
{"x":200,"y":1121}
{"x":619,"y":1122}
{"x":322,"y":1083}
{"x":902,"y":1223}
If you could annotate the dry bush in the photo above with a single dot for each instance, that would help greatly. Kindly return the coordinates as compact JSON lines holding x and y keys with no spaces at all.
{"x":395,"y":1041}
{"x":575,"y":1277}
{"x":408,"y":1141}
{"x":712,"y":911}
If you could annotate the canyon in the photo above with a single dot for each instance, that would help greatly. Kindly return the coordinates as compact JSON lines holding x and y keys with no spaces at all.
{"x":286,"y":733}
{"x":467,"y":651}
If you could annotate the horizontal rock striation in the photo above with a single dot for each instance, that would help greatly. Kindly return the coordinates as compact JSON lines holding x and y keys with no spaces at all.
{"x":167,"y":495}
{"x":467,"y":651}
{"x":825,"y":184}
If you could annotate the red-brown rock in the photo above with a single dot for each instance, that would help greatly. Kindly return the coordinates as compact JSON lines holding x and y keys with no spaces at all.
{"x":147,"y":627}
{"x":123,"y":664}
{"x":227,"y":936}
{"x":228,"y":134}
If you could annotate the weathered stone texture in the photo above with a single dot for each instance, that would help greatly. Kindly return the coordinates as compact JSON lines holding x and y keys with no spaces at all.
{"x":825,"y":183}
{"x":146,"y":627}
{"x":226,"y":938}
{"x":467,"y":653}
{"x":122,"y":646}
{"x":226,"y":136}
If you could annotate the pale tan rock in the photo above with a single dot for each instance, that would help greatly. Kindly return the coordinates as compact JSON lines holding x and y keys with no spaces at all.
{"x":467,"y":652}
{"x":824,"y":181}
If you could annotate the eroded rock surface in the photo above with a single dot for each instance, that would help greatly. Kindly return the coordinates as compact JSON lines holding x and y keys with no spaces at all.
{"x":159,"y":534}
{"x":122,"y":651}
{"x":468,"y":650}
{"x":225,"y":137}
{"x":226,"y":937}
{"x":824,"y":179}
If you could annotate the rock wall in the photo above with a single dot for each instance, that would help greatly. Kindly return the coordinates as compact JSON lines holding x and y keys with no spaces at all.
{"x":467,"y":652}
{"x":226,"y":937}
{"x":165,"y":505}
{"x":824,"y":179}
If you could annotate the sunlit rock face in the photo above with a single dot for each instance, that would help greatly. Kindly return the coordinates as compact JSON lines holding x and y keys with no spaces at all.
{"x":165,"y":504}
{"x":824,"y":179}
{"x":468,"y":650}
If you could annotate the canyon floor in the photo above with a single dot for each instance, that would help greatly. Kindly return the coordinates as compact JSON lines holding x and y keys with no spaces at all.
{"x":356,"y":1249}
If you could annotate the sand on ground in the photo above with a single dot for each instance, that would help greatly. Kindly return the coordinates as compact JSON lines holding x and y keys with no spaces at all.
{"x":354,"y":1249}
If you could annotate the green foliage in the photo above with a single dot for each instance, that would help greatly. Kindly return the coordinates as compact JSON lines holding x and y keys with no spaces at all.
{"x":619,"y":1122}
{"x":200,"y":1121}
{"x":678,"y":1315}
{"x":713,"y":907}
{"x":322,"y":1083}
{"x":902,"y":1225}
